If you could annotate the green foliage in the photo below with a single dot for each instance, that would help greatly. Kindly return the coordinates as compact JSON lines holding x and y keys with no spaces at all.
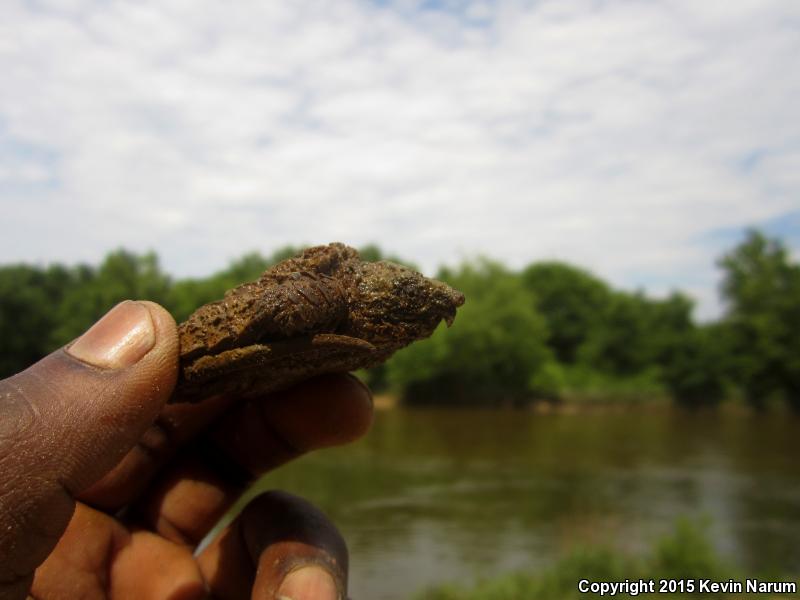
{"x":584,"y":384}
{"x":635,"y":333}
{"x":687,"y":553}
{"x":551,"y":331}
{"x":571,"y":300}
{"x":548,"y":381}
{"x":187,"y":294}
{"x":683,"y":554}
{"x":492,"y":352}
{"x":762,"y":288}
{"x":560,"y":581}
{"x":697,"y":372}
{"x":122,"y":275}
{"x":29,"y":301}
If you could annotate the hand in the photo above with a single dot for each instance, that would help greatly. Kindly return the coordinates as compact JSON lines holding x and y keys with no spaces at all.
{"x":105,"y":491}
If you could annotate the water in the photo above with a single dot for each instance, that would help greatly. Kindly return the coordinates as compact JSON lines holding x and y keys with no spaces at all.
{"x":434,"y":496}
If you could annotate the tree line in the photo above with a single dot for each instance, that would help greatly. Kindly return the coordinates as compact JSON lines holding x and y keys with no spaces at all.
{"x":550,"y":331}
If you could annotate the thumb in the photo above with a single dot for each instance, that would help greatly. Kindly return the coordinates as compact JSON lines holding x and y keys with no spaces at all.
{"x":68,"y":419}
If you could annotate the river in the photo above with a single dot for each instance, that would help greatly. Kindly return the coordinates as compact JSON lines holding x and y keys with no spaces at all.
{"x":434,"y":496}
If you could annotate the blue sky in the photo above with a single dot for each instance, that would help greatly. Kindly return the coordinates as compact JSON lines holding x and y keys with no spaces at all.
{"x":638,"y":139}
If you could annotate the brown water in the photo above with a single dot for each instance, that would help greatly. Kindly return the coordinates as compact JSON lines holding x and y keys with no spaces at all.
{"x":433,"y":496}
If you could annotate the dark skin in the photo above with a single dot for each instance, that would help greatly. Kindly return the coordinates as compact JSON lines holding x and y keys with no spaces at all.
{"x":106,"y":491}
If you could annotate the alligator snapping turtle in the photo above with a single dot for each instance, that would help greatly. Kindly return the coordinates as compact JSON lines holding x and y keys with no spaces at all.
{"x":323,"y":311}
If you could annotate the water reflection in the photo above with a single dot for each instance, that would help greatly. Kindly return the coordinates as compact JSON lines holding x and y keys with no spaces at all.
{"x":434,"y":496}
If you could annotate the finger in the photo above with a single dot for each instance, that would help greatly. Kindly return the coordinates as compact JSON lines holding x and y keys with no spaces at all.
{"x":280,"y":545}
{"x":98,"y":558}
{"x":69,"y":418}
{"x":329,"y":410}
{"x":178,"y":424}
{"x":206,"y":480}
{"x":174,"y":427}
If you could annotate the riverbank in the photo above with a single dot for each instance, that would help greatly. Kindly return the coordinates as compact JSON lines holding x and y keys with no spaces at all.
{"x":580,"y":403}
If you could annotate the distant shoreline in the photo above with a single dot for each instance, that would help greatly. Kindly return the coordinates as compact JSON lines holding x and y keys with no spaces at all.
{"x":574,"y":405}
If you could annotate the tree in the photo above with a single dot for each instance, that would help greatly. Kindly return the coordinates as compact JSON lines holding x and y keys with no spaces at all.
{"x":122,"y":275}
{"x":622,"y":343}
{"x":761,"y":287}
{"x":697,"y":372}
{"x":30,"y":301}
{"x":572,"y":301}
{"x":494,"y":353}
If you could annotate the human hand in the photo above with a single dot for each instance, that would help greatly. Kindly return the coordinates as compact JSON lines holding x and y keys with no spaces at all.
{"x":105,"y":491}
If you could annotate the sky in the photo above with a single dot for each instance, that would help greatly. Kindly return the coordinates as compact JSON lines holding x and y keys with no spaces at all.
{"x":636,"y":139}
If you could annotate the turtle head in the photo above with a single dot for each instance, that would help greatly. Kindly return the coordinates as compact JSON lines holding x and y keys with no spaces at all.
{"x":392,"y":305}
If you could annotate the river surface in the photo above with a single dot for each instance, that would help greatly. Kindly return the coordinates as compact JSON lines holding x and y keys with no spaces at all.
{"x":433,"y":496}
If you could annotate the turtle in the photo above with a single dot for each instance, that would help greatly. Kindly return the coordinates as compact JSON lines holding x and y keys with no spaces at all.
{"x":323,"y":311}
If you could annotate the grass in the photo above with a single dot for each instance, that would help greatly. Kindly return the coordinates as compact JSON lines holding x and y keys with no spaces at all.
{"x":583,"y":385}
{"x":684,"y":554}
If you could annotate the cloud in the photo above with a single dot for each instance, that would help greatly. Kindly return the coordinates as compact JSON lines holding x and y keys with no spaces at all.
{"x":613,"y":134}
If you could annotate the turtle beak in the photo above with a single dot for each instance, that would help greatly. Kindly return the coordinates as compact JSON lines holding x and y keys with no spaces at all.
{"x":450,"y":300}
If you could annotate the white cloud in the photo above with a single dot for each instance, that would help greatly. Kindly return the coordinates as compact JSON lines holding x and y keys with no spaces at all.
{"x":617,"y":135}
